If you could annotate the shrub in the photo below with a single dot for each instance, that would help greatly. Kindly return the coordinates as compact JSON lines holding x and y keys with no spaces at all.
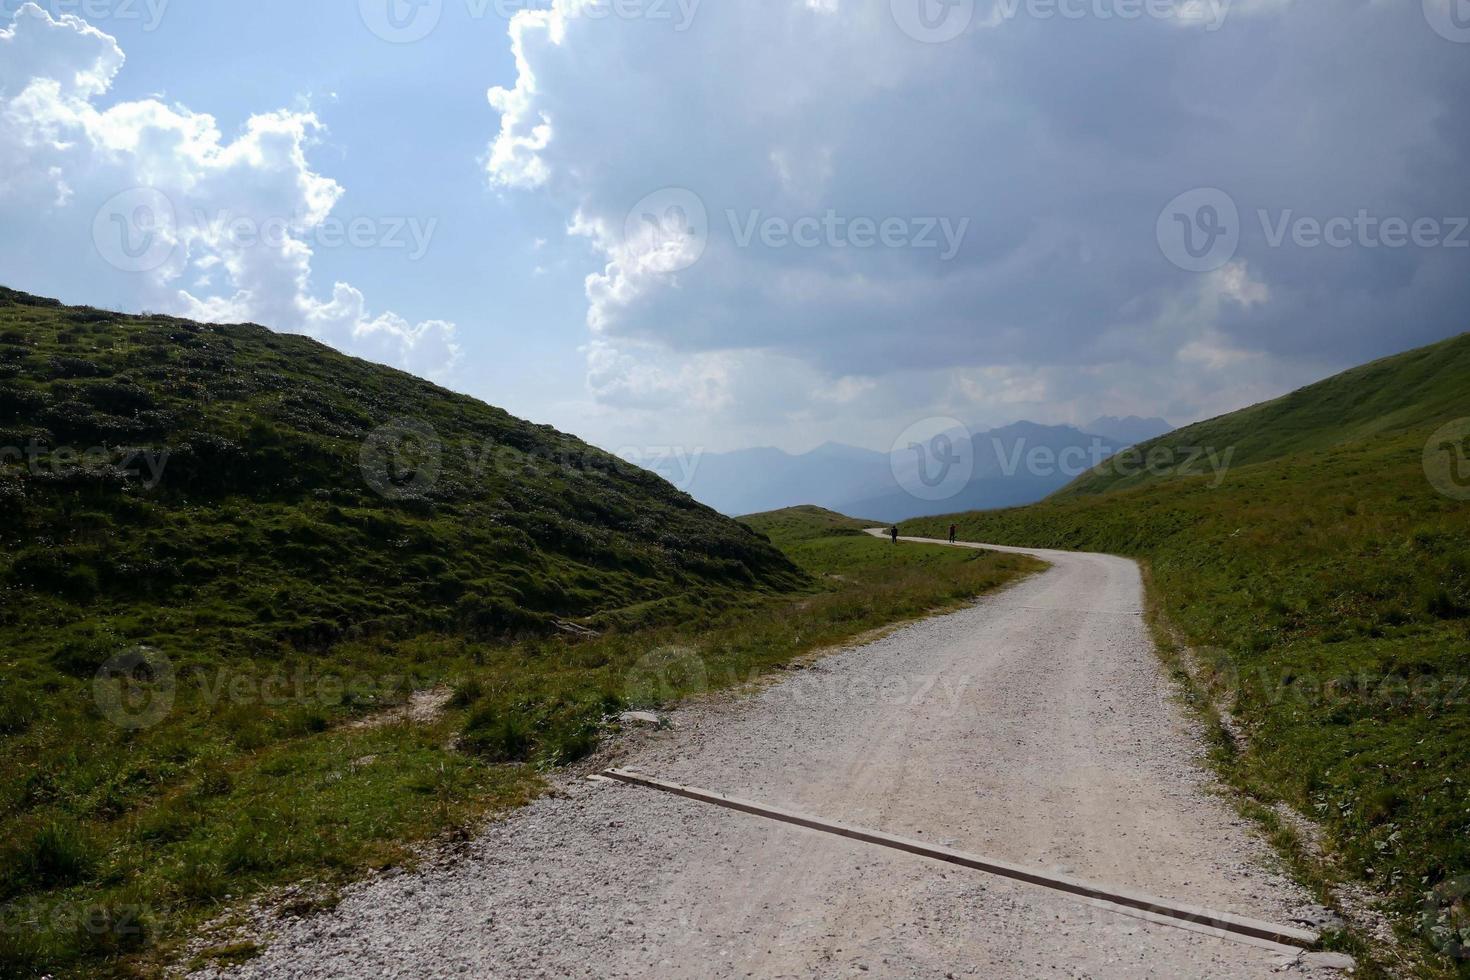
{"x":83,"y":655}
{"x":497,"y":736}
{"x":467,"y":692}
{"x":56,"y":854}
{"x":18,"y":710}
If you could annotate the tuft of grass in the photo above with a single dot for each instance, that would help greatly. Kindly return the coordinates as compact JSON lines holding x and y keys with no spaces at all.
{"x":230,"y":954}
{"x":57,"y":853}
{"x":497,"y":736}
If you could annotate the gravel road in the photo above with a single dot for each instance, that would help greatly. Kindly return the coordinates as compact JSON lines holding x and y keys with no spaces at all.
{"x":1035,"y":726}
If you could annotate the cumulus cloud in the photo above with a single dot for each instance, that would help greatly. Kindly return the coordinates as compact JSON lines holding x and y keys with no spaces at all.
{"x":1059,"y":141}
{"x":207,"y":227}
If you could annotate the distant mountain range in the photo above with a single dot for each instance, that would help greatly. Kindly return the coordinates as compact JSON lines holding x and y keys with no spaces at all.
{"x":1010,"y":466}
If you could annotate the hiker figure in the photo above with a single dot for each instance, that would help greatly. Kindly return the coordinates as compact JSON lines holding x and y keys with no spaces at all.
{"x":954,"y":533}
{"x":894,"y":532}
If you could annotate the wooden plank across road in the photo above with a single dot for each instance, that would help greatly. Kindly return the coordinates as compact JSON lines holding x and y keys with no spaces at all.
{"x":1193,"y":917}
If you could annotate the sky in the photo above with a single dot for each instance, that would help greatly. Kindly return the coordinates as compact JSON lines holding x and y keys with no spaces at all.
{"x":713,"y":224}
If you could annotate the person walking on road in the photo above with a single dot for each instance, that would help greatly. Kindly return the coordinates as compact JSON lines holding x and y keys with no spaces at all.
{"x":954,"y":533}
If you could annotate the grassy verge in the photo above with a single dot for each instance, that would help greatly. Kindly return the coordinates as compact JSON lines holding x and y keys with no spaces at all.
{"x":1327,"y":595}
{"x":130,"y":813}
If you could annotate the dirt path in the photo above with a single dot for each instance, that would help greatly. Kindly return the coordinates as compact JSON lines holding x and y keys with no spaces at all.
{"x":1035,"y":726}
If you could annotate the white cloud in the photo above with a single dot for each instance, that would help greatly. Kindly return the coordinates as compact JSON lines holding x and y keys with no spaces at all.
{"x":1060,"y":140}
{"x":233,"y":221}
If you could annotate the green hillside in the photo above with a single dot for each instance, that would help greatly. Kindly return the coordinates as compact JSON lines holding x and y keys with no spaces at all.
{"x":910,"y":579}
{"x":285,"y":515}
{"x":1397,"y":394}
{"x":271,"y":616}
{"x":267,"y":541}
{"x":805,"y":523}
{"x":1327,"y":589}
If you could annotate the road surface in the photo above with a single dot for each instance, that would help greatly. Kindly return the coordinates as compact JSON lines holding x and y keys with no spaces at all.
{"x":1035,"y":726}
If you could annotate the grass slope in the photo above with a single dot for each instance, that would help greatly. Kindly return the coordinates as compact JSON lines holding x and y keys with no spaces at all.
{"x":1328,"y":591}
{"x":878,"y":582}
{"x":1395,"y":395}
{"x":277,"y":567}
{"x":290,"y":577}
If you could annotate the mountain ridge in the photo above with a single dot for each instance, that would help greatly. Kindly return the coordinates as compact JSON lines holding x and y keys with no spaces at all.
{"x":851,"y":479}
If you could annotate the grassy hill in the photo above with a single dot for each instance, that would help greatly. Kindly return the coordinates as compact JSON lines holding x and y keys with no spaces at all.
{"x":272,"y":616}
{"x":1395,"y":395}
{"x":806,"y":523}
{"x":304,"y":494}
{"x":873,"y":581}
{"x":1326,"y":584}
{"x":909,"y":580}
{"x":222,"y":548}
